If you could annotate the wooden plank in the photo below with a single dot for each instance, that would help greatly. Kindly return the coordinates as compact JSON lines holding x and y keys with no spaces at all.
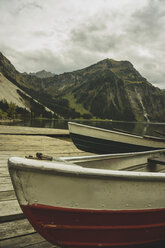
{"x":15,"y":228}
{"x":5,"y":180}
{"x":12,"y":217}
{"x":10,"y":210}
{"x":32,"y":130}
{"x":7,"y":195}
{"x":4,"y":172}
{"x":3,"y":164}
{"x":5,"y":184}
{"x":6,"y":187}
{"x":36,"y":144}
{"x":31,"y":240}
{"x":3,"y":161}
{"x":43,"y":244}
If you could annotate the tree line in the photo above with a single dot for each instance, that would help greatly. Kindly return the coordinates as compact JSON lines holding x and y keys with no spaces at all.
{"x":12,"y":111}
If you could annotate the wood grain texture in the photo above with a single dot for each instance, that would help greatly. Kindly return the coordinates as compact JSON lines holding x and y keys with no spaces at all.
{"x":15,"y":230}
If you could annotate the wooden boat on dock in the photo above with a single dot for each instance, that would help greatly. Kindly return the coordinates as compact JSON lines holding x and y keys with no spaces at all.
{"x":94,"y":201}
{"x":103,"y":141}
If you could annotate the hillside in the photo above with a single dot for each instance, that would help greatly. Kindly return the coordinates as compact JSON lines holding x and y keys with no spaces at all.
{"x":36,"y":88}
{"x":14,"y":99}
{"x":108,"y":89}
{"x":9,"y":92}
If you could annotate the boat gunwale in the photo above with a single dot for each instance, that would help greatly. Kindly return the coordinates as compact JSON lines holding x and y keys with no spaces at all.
{"x":98,"y":211}
{"x":69,"y":169}
{"x":144,"y":138}
{"x":105,"y":130}
{"x":112,"y":156}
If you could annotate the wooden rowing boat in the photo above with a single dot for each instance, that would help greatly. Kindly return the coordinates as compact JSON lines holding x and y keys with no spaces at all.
{"x":94,"y":201}
{"x":103,"y":141}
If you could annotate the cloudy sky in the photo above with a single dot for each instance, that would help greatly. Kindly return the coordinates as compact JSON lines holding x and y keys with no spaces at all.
{"x":66,"y":35}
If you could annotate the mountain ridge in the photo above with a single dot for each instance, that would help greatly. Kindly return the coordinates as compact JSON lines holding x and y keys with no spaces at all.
{"x":12,"y":94}
{"x":42,"y":74}
{"x":109,"y":89}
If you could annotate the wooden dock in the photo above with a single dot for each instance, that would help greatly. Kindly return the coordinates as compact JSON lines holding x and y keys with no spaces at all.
{"x":15,"y":230}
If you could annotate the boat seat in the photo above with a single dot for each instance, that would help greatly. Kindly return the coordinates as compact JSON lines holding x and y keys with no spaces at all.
{"x":157,"y":160}
{"x":154,"y":138}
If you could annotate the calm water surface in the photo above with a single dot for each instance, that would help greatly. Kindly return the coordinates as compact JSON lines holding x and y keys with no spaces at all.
{"x":132,"y":127}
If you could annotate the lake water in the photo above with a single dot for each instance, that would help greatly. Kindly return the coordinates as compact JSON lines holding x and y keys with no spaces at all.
{"x":132,"y":127}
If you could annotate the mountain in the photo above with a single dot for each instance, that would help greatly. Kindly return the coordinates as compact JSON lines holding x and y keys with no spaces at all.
{"x":9,"y":92}
{"x":42,"y":74}
{"x":36,"y":88}
{"x":108,"y":89}
{"x":13,"y":97}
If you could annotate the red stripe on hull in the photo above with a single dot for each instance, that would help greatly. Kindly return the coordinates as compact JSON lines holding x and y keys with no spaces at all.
{"x":96,"y":228}
{"x":152,"y":244}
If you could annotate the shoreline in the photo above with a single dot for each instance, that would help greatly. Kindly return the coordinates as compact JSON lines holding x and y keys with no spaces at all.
{"x":10,"y":121}
{"x":87,"y":120}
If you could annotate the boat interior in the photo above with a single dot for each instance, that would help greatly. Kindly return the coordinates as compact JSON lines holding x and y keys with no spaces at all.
{"x":144,"y":162}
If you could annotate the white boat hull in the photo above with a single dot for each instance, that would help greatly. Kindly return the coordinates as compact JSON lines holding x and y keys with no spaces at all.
{"x":102,"y":141}
{"x":74,"y":206}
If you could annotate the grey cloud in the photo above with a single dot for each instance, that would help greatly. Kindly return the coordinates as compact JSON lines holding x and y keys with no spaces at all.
{"x":96,"y":43}
{"x":147,"y":23}
{"x":22,"y":6}
{"x":41,"y":33}
{"x":42,"y":59}
{"x":93,"y":37}
{"x":33,"y":61}
{"x":147,"y":30}
{"x":108,"y":33}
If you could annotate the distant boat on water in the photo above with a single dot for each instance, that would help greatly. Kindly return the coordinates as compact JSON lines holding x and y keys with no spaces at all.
{"x":94,"y":201}
{"x":103,"y":141}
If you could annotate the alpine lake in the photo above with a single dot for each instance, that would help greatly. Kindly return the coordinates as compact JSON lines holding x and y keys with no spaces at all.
{"x":137,"y":128}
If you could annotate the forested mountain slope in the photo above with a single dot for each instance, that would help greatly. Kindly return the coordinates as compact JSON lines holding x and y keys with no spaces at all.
{"x":108,"y":89}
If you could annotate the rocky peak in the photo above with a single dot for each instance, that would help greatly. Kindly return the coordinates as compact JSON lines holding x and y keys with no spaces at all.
{"x":42,"y":74}
{"x":5,"y":65}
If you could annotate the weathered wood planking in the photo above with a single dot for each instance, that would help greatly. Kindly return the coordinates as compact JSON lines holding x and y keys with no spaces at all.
{"x":15,"y":230}
{"x":32,"y":241}
{"x":23,"y":145}
{"x":10,"y":210}
{"x":32,"y":131}
{"x":7,"y":195}
{"x":5,"y":183}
